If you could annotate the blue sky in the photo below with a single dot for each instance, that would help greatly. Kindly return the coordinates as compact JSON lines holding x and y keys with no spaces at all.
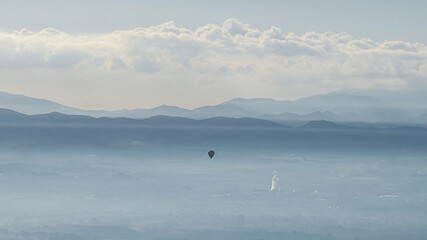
{"x":379,"y":20}
{"x":128,"y":54}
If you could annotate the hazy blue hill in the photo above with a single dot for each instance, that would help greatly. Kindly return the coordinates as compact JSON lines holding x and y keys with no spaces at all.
{"x":281,"y":116}
{"x":258,"y":106}
{"x":229,"y":110}
{"x":333,"y":102}
{"x":168,"y":120}
{"x":241,"y":122}
{"x":373,"y":116}
{"x":162,"y":120}
{"x":336,"y":102}
{"x":401,"y":99}
{"x":329,"y":116}
{"x":160,"y":110}
{"x":10,"y":116}
{"x":336,"y":106}
{"x":252,"y":102}
{"x":198,"y":113}
{"x":29,"y":105}
{"x":318,"y":115}
{"x":7,"y":114}
{"x":338,"y":98}
{"x":322,"y":124}
{"x":56,"y":117}
{"x":156,"y":134}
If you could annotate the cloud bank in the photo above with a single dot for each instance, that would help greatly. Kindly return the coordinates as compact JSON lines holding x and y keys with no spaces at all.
{"x":232,"y":55}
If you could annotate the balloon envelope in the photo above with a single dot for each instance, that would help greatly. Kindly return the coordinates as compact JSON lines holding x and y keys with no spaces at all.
{"x":211,"y":153}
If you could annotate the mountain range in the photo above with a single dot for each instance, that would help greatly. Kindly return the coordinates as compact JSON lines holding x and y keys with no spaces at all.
{"x":9,"y":118}
{"x":341,"y":106}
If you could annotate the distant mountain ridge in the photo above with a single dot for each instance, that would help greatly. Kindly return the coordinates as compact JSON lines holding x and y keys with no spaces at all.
{"x":29,"y":105}
{"x":336,"y":106}
{"x":322,"y":124}
{"x":10,"y":117}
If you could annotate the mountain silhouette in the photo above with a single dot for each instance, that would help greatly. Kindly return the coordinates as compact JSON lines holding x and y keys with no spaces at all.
{"x":13,"y":117}
{"x":322,"y":124}
{"x":336,"y":106}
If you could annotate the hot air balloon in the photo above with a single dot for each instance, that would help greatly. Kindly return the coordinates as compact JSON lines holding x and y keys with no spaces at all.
{"x":211,"y":153}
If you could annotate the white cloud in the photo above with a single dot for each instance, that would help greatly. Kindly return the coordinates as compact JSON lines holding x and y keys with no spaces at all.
{"x":232,"y":54}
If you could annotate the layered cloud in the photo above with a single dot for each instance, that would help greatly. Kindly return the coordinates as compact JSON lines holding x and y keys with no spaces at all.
{"x":214,"y":54}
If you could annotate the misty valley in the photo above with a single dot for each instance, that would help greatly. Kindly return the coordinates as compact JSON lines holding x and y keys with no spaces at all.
{"x":77,"y":177}
{"x":213,"y":120}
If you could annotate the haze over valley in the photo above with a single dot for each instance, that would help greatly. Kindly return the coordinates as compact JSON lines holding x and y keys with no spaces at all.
{"x":76,"y":176}
{"x":216,"y":120}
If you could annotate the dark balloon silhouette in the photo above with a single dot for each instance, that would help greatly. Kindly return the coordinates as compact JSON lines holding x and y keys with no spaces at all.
{"x":211,"y":153}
